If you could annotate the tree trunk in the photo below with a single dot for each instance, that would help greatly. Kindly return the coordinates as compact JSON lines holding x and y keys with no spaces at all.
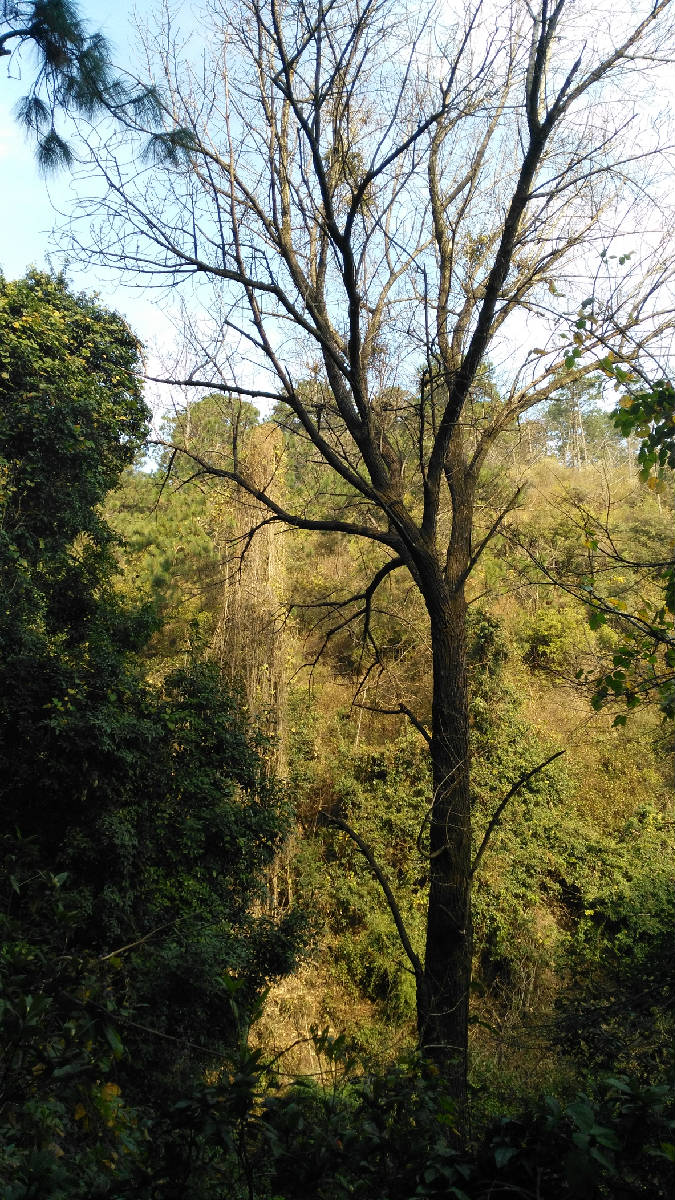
{"x":447,"y":965}
{"x":447,"y":968}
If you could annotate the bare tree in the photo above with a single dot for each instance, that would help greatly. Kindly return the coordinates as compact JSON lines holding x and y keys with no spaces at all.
{"x":370,"y":203}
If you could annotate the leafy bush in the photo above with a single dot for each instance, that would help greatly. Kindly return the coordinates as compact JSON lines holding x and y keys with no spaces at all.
{"x":617,"y":1012}
{"x":613,"y":1145}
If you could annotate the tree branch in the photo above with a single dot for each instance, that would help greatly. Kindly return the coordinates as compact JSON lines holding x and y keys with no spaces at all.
{"x":402,"y":710}
{"x":293,"y":519}
{"x":389,"y":895}
{"x":494,"y":820}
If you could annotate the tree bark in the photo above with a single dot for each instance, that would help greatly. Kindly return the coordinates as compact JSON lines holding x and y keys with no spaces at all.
{"x":444,"y":1026}
{"x":444,"y":1008}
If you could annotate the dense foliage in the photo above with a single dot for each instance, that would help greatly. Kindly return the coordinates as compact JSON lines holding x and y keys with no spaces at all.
{"x":137,"y":820}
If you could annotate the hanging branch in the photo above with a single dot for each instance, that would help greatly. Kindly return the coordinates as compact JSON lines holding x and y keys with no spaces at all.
{"x":389,"y":895}
{"x":494,"y":820}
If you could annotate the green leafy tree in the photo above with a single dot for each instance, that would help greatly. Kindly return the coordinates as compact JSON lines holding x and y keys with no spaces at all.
{"x":650,"y":413}
{"x":171,"y":554}
{"x":137,"y":820}
{"x":72,"y":417}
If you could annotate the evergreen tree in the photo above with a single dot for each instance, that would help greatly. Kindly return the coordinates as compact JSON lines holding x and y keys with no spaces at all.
{"x":73,"y":69}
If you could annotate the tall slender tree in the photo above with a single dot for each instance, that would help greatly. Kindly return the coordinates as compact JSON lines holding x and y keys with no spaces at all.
{"x":378,"y":199}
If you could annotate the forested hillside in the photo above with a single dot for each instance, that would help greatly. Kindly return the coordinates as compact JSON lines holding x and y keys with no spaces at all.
{"x":573,"y":896}
{"x":216,"y":803}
